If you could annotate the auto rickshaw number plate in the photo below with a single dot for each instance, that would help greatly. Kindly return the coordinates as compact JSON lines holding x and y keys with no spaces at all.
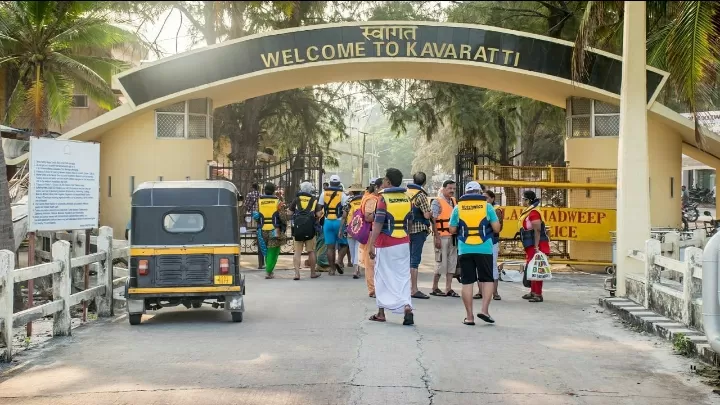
{"x":223,"y":279}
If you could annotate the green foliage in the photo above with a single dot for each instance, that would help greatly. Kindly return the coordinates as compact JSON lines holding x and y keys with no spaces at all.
{"x":682,"y":344}
{"x":56,"y":49}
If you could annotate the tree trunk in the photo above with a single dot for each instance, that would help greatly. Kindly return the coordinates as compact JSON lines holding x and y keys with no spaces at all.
{"x":245,"y":144}
{"x":209,"y":15}
{"x":506,"y":171}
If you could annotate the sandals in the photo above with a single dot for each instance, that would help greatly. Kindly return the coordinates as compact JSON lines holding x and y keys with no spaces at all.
{"x":296,"y":278}
{"x":371,"y":295}
{"x":437,"y":292}
{"x":315,"y":275}
{"x":477,"y":296}
{"x":339,"y":269}
{"x":486,"y":318}
{"x":528,"y":296}
{"x":497,"y":297}
{"x":420,"y":295}
{"x":409,"y":319}
{"x":468,"y":323}
{"x":452,"y":293}
{"x":376,"y":319}
{"x":269,"y":276}
{"x":537,"y":298}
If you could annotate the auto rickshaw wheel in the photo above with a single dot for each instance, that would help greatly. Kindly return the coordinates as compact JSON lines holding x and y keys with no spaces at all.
{"x":236,"y":316}
{"x":196,"y":304}
{"x":135,"y":319}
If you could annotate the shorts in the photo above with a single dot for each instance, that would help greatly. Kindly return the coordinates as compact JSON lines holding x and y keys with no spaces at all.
{"x":417,"y":242}
{"x":446,"y":257}
{"x":476,"y":267}
{"x":330,"y":231}
{"x":496,"y":252}
{"x":304,"y":245}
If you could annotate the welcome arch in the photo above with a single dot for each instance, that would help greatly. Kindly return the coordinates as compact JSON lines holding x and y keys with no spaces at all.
{"x":520,"y":63}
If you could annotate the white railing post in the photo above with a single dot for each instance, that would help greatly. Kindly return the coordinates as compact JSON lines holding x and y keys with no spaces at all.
{"x":62,"y":288}
{"x":653,"y":247}
{"x":7,"y":265}
{"x":673,"y":238}
{"x":693,"y":258}
{"x":700,"y":235}
{"x":105,"y":272}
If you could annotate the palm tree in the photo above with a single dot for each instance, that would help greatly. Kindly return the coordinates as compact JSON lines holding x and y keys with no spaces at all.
{"x":53,"y":48}
{"x":683,"y":39}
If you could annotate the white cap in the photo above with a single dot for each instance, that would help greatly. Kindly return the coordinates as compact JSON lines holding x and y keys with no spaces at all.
{"x":334,"y":178}
{"x":472,"y":186}
{"x":373,"y":180}
{"x":306,"y":187}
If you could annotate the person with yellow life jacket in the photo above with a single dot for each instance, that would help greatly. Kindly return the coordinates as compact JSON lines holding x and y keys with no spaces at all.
{"x":332,"y":201}
{"x":305,"y":213}
{"x":353,"y":204}
{"x":389,"y":246}
{"x":445,"y":243}
{"x":271,"y":232}
{"x":474,"y":221}
{"x":534,"y":238}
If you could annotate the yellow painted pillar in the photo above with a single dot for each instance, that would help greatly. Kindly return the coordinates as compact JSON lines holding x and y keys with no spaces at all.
{"x":633,"y":192}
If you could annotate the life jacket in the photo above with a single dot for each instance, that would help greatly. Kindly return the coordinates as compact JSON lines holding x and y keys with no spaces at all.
{"x":303,"y":199}
{"x":353,"y":205}
{"x":398,"y":212}
{"x":527,"y":236}
{"x":414,"y":191}
{"x":473,"y":225}
{"x":499,"y":211}
{"x":332,"y":198}
{"x":268,"y":210}
{"x":442,"y":222}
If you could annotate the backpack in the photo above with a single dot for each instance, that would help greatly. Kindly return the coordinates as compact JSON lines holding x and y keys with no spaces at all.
{"x":304,"y":223}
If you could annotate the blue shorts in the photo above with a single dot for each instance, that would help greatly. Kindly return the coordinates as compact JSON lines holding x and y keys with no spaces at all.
{"x":417,"y":241}
{"x":330,"y":231}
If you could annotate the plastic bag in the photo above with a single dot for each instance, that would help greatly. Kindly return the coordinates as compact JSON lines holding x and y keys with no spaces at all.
{"x":539,"y":268}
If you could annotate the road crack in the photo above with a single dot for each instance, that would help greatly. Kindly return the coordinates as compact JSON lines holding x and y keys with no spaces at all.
{"x":426,"y":375}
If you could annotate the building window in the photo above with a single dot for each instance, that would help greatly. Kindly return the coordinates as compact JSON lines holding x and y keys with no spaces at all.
{"x":190,"y":119}
{"x":80,"y":101}
{"x":109,"y":186}
{"x":160,"y":178}
{"x":591,"y":118}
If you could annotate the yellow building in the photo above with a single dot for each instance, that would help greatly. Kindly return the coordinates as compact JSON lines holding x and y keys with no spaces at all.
{"x":164,"y":131}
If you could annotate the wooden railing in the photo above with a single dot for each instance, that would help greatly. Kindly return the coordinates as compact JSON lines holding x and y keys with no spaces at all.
{"x":60,"y":266}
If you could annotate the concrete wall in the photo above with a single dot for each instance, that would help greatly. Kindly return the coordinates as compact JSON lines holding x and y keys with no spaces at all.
{"x":78,"y":116}
{"x":131,"y":149}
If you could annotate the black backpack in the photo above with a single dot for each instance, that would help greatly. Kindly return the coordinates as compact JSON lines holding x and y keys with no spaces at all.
{"x":304,"y":222}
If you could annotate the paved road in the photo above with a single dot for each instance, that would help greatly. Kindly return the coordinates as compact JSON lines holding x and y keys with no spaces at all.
{"x":308,"y":342}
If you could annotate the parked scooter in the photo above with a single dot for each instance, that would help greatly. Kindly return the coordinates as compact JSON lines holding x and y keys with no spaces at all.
{"x":711,"y":226}
{"x":690,"y":212}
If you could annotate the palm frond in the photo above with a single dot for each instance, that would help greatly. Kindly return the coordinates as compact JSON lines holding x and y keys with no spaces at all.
{"x":58,"y":93}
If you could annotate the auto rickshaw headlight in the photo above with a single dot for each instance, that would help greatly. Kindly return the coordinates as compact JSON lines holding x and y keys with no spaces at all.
{"x":143,"y":269}
{"x":224,"y":266}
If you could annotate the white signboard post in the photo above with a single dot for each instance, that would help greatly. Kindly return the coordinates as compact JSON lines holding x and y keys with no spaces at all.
{"x":64,"y":185}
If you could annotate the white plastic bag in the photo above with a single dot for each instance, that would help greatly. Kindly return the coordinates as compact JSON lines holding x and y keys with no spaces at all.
{"x":539,"y":268}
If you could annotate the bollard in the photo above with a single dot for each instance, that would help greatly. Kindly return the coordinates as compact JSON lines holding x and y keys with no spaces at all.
{"x":62,"y":288}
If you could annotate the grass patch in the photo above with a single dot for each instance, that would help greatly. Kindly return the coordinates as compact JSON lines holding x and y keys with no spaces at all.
{"x":681,"y":344}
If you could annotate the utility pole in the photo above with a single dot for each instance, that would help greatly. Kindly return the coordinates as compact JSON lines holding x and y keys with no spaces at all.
{"x":362,"y":160}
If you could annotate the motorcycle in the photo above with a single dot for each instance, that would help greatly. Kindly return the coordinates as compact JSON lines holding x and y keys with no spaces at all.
{"x":711,"y":226}
{"x":690,"y":212}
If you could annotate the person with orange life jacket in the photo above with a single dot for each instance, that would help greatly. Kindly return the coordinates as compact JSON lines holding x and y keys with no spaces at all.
{"x":349,"y":210}
{"x":445,"y":242}
{"x":534,"y":238}
{"x":368,"y":204}
{"x":389,"y":246}
{"x":332,"y":201}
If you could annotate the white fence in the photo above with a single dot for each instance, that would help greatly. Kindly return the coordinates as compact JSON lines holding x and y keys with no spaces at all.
{"x":667,"y":277}
{"x":60,"y":267}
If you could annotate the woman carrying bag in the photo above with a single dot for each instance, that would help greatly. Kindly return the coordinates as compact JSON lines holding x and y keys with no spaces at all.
{"x":534,"y":238}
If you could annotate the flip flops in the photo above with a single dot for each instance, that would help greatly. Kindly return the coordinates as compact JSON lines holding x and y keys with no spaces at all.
{"x":437,"y":292}
{"x":452,"y":293}
{"x":376,"y":319}
{"x":339,"y":269}
{"x":486,"y":318}
{"x":420,"y":295}
{"x":477,"y":296}
{"x":468,"y":323}
{"x":315,"y":276}
{"x":497,"y":297}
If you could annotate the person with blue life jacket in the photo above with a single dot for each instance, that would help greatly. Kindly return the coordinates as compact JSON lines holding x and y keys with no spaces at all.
{"x":389,"y":246}
{"x":474,"y":221}
{"x":305,"y":213}
{"x":332,"y":201}
{"x":419,"y":229}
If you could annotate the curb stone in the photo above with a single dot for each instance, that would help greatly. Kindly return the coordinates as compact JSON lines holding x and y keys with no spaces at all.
{"x":656,"y":324}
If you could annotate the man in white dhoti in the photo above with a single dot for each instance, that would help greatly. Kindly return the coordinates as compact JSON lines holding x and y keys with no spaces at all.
{"x":389,"y":245}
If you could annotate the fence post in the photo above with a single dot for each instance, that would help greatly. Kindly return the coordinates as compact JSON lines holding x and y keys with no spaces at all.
{"x":105,"y":272}
{"x":62,"y":288}
{"x":7,"y":265}
{"x":673,"y":238}
{"x":693,"y":258}
{"x":700,"y":235}
{"x":653,"y":247}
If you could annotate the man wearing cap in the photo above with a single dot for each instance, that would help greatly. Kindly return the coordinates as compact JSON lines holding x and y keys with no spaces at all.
{"x":368,"y":204}
{"x":474,"y":221}
{"x":332,"y":201}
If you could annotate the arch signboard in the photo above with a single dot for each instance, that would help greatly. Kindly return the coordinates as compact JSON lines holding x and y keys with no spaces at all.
{"x":393,"y":41}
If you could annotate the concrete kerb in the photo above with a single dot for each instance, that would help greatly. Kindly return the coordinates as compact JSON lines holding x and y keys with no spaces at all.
{"x":661,"y":326}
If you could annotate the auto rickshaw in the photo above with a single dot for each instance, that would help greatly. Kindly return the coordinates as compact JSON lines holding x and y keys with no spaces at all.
{"x":184,"y":248}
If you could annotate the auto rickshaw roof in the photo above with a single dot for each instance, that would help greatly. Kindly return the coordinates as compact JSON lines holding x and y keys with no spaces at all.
{"x":198,"y":193}
{"x":188,"y":184}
